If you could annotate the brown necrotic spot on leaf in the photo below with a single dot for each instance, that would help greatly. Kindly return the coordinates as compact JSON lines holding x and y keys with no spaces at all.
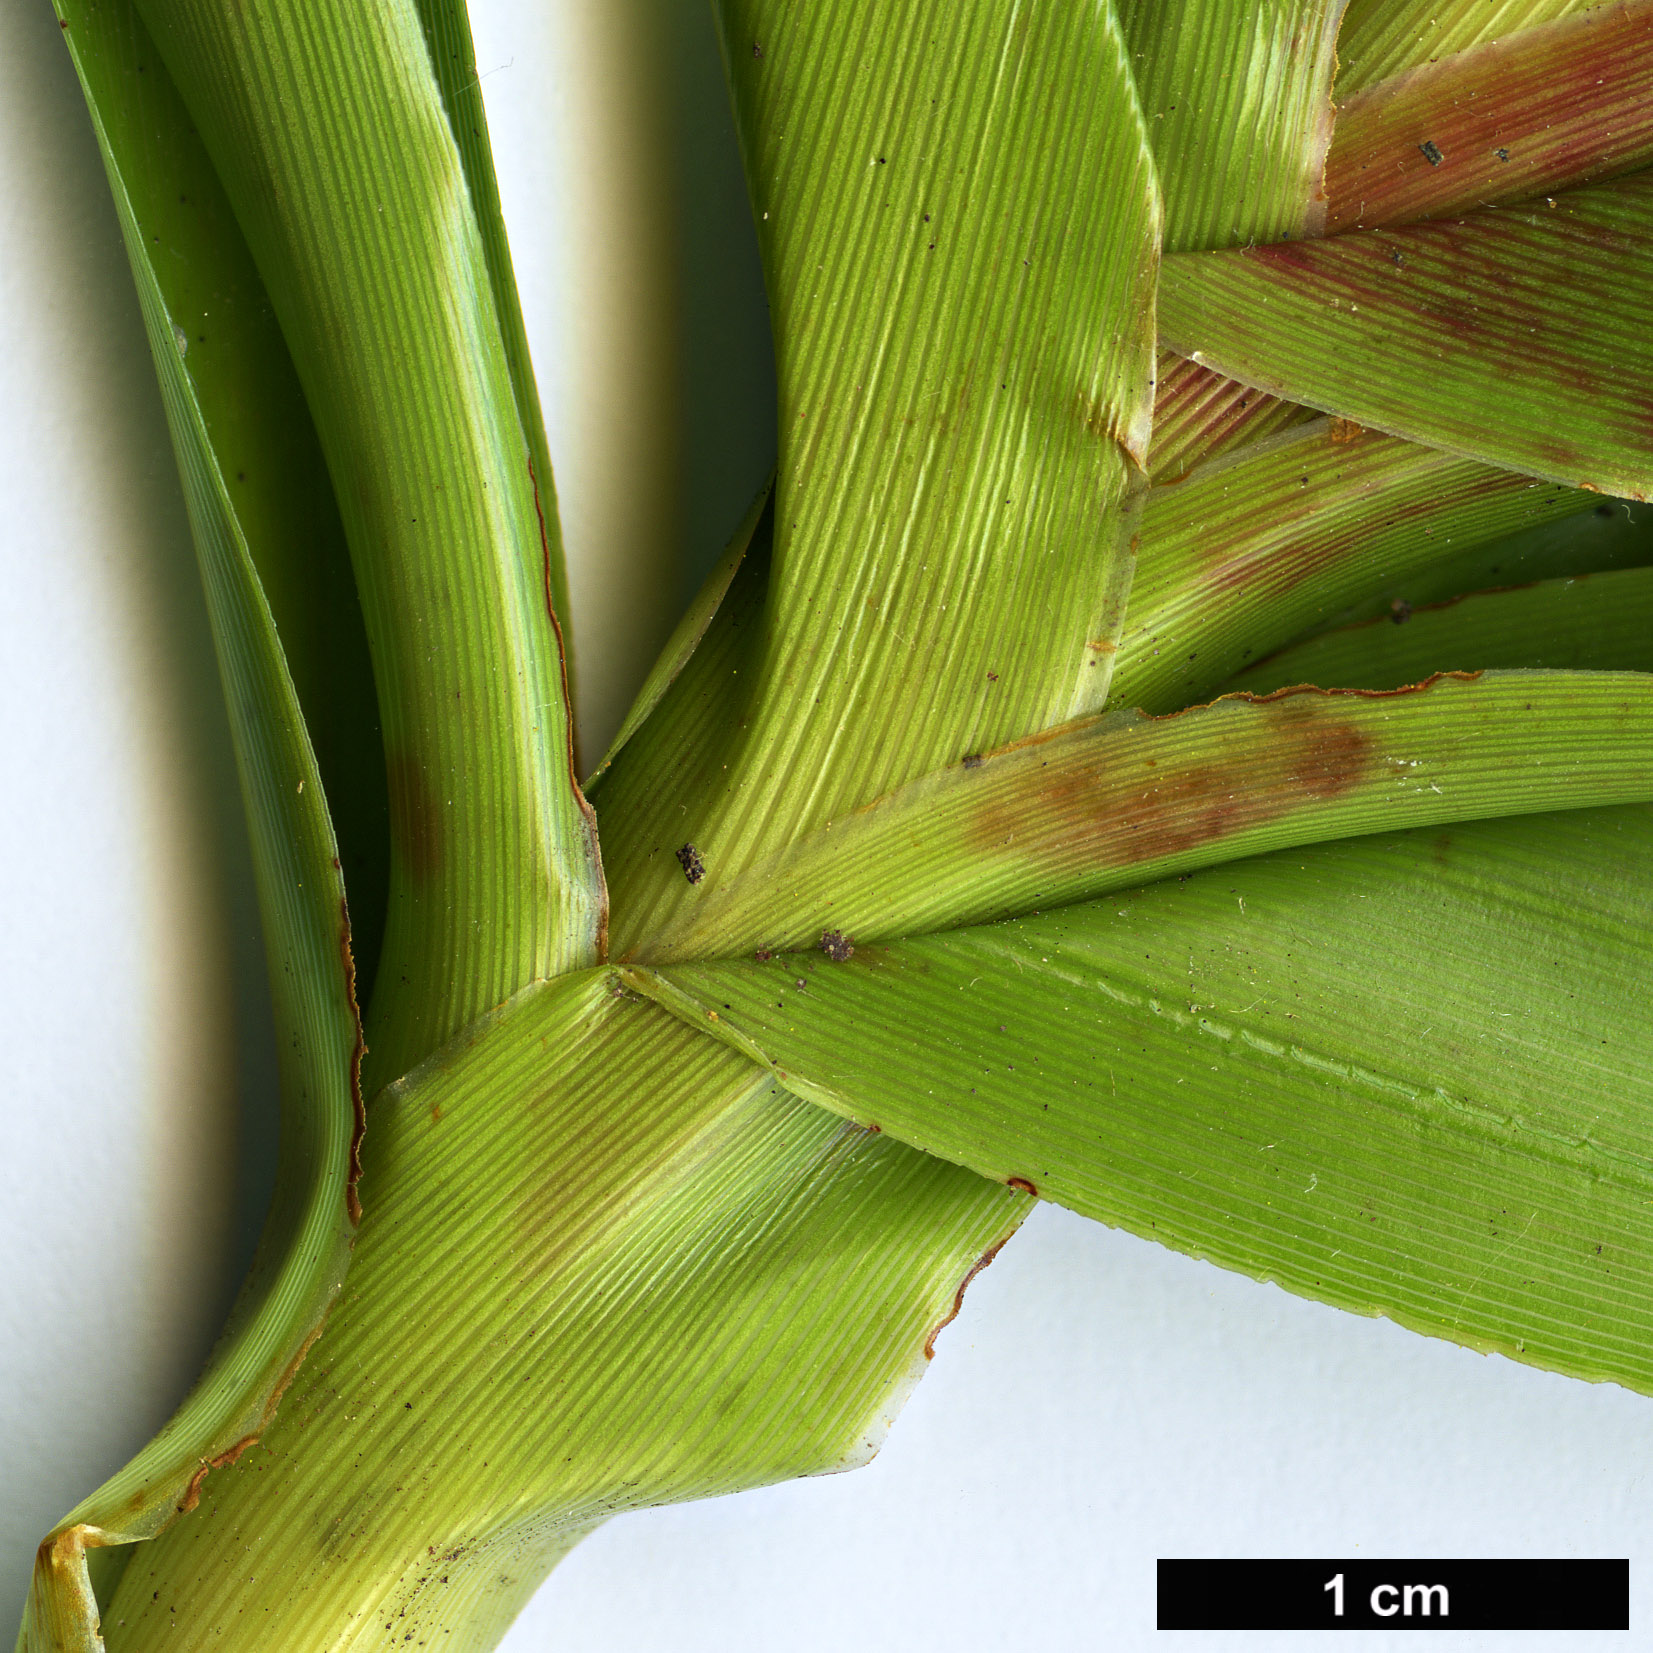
{"x":1104,"y":806}
{"x":415,"y":827}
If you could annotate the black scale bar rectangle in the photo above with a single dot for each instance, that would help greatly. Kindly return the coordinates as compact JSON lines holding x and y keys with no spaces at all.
{"x":1394,"y":1595}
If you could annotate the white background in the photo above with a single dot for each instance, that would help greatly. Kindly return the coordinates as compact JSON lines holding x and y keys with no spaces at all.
{"x":1099,"y":1403}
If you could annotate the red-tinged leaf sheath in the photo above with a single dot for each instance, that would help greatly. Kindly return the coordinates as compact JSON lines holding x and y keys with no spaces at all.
{"x":1521,"y":336}
{"x":1534,"y":112}
{"x":1383,"y":38}
{"x":1199,"y":415}
{"x":1253,"y":550}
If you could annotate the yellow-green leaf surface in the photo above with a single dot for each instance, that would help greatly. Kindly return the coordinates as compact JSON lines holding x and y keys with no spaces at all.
{"x":1599,"y":622}
{"x":959,"y":223}
{"x":1237,"y":100}
{"x":1255,"y":549}
{"x":1237,"y":97}
{"x":305,"y":1247}
{"x":1526,"y":114}
{"x":1410,"y":1075}
{"x":327,"y":127}
{"x":447,"y":29}
{"x":1112,"y":801}
{"x":660,"y":1277}
{"x":1381,"y":38}
{"x":1521,"y":336}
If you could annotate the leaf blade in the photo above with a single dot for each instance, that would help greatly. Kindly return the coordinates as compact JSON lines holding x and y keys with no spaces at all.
{"x":959,"y":225}
{"x":1381,"y":38}
{"x":1536,"y":112}
{"x":1586,"y":622}
{"x":1333,"y":1069}
{"x":1237,"y":97}
{"x":1249,"y":552}
{"x":360,"y":218}
{"x":1518,"y":337}
{"x":447,"y":29}
{"x":305,"y":1247}
{"x":673,"y":1280}
{"x":1110,"y":802}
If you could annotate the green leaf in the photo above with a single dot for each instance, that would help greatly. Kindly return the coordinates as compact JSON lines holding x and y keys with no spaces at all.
{"x":1612,"y":535}
{"x":1530,"y":113}
{"x":708,"y":695}
{"x":668,"y":1278}
{"x":1381,"y":38}
{"x":960,"y":229}
{"x":306,"y":1243}
{"x":1410,"y":1075}
{"x":1601,"y":622}
{"x":254,"y":414}
{"x":447,"y":28}
{"x":1237,"y":99}
{"x":1108,"y":802}
{"x":1520,"y":336}
{"x":327,"y":128}
{"x":1252,"y":550}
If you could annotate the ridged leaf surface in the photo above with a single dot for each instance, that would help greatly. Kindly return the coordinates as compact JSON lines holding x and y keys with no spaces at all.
{"x":327,"y":126}
{"x":1530,"y":113}
{"x":152,"y":158}
{"x":960,"y":225}
{"x":1589,"y":622}
{"x":1521,"y":336}
{"x":1237,"y":97}
{"x":1112,"y":801}
{"x":652,"y":1275}
{"x":1410,"y":1075}
{"x":1381,"y":38}
{"x":1252,"y":551}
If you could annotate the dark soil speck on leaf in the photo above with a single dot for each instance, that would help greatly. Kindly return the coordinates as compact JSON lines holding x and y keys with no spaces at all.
{"x":837,"y":946}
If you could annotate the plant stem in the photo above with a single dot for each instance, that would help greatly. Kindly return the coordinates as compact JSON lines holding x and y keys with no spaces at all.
{"x":327,"y":128}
